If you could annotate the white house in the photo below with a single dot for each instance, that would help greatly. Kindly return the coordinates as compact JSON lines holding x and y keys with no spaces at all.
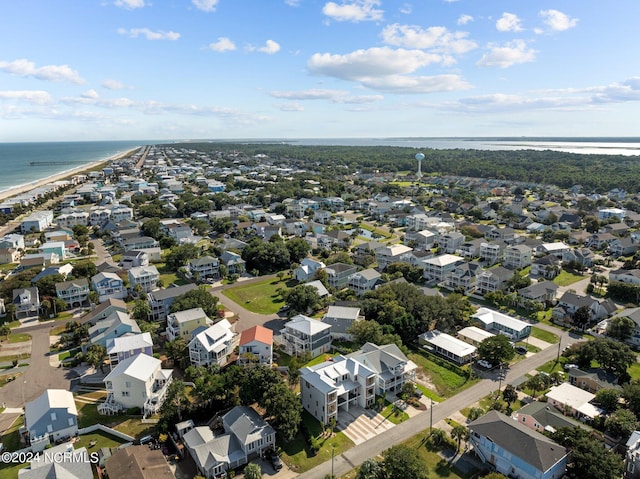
{"x":212,"y":345}
{"x":138,"y":381}
{"x":447,"y":346}
{"x":307,"y":269}
{"x":255,"y":346}
{"x":119,"y":349}
{"x":145,"y":276}
{"x":492,"y":320}
{"x":436,"y":268}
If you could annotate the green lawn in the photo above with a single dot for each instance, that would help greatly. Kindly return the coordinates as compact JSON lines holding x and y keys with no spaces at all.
{"x":446,"y":381}
{"x":391,"y":414}
{"x":169,"y":277}
{"x":544,"y":335}
{"x":300,"y":458}
{"x":565,"y":278}
{"x":11,"y":441}
{"x":19,"y":337}
{"x":634,"y":371}
{"x":71,"y":353}
{"x":260,"y":297}
{"x":102,"y":440}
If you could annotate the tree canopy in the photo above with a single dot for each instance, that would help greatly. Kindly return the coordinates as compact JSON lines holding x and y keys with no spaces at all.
{"x":197,"y":298}
{"x":496,"y":349}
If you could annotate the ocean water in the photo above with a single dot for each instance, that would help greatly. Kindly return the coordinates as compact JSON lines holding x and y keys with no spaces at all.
{"x":24,"y":163}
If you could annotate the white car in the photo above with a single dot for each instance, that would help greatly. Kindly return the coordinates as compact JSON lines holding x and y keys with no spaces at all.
{"x":484,"y":364}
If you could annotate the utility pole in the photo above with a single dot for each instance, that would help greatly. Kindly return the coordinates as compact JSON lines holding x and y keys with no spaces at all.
{"x":431,"y":417}
{"x":558,"y":356}
{"x":333,"y":450}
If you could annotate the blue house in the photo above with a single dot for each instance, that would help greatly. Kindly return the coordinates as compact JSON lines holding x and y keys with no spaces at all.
{"x":115,"y":325}
{"x":515,"y":450}
{"x":50,"y":417}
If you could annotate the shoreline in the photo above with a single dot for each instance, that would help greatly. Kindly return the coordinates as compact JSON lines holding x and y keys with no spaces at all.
{"x":18,"y":190}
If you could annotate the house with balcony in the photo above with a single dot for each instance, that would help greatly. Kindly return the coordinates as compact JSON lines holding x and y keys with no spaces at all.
{"x":336,"y":386}
{"x":547,"y":267}
{"x":116,"y":325}
{"x":570,"y":302}
{"x":307,"y":270}
{"x":437,"y":267}
{"x":245,"y":436}
{"x":161,"y":300}
{"x":136,"y":382}
{"x":213,"y":345}
{"x":463,"y":277}
{"x":338,"y":274}
{"x":137,"y":243}
{"x":365,"y":280}
{"x":341,"y":318}
{"x":108,"y":285}
{"x":205,"y":267}
{"x":36,"y":222}
{"x":233,"y":262}
{"x":303,"y":335}
{"x":515,"y":450}
{"x":493,"y":280}
{"x":75,"y":292}
{"x":366,"y":251}
{"x":123,"y":347}
{"x":517,"y":256}
{"x":51,"y":416}
{"x":392,"y":254}
{"x":497,"y":322}
{"x":423,"y":240}
{"x":630,"y":276}
{"x":146,"y":277}
{"x":491,"y":252}
{"x":542,"y":292}
{"x":135,"y":258}
{"x":447,"y":346}
{"x":26,"y":302}
{"x":183,"y":324}
{"x":391,"y":366}
{"x":255,"y":346}
{"x":471,"y":249}
{"x":450,"y":242}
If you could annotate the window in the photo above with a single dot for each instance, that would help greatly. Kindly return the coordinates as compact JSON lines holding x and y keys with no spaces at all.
{"x":49,"y":428}
{"x":70,"y":421}
{"x":53,"y":416}
{"x":127,"y":384}
{"x":125,"y":393}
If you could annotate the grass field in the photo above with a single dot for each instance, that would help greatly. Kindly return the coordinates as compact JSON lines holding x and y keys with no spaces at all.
{"x":260,"y":297}
{"x":565,"y":278}
{"x":19,"y":337}
{"x":446,"y":381}
{"x":544,"y":335}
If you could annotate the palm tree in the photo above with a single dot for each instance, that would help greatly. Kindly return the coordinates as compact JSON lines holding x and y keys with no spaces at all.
{"x":252,"y":471}
{"x":536,"y":383}
{"x":459,"y":433}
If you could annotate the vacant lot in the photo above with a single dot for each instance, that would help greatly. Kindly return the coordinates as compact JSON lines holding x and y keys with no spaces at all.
{"x":261,"y":297}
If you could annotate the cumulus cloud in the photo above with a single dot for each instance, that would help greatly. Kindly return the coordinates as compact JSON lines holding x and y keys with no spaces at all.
{"x":334,"y":96}
{"x":223,"y":44}
{"x":436,"y":38}
{"x":90,"y":94}
{"x":289,"y":107}
{"x":56,"y":73}
{"x":38,"y":97}
{"x":406,"y":9}
{"x":557,"y":21}
{"x":205,"y":5}
{"x":111,"y":84}
{"x":506,"y":55}
{"x":149,"y":34}
{"x":270,"y":47}
{"x":129,"y":4}
{"x":405,"y":84}
{"x":464,"y":19}
{"x":354,"y":11}
{"x":509,"y":23}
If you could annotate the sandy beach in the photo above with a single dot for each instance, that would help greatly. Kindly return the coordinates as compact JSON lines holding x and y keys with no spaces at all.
{"x":18,"y":190}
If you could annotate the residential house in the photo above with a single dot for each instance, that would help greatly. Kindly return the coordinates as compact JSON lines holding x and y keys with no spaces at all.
{"x":138,"y":462}
{"x":57,"y":247}
{"x":233,"y":262}
{"x":634,"y":315}
{"x":136,"y":382}
{"x":205,"y":267}
{"x":517,"y":256}
{"x":447,"y":346}
{"x":104,"y":310}
{"x":137,"y":243}
{"x":421,"y":240}
{"x":450,"y":242}
{"x":338,"y":275}
{"x":134,"y":258}
{"x":547,"y":267}
{"x":213,"y":345}
{"x":308,"y":269}
{"x":623,"y":247}
{"x":542,"y":292}
{"x":123,"y":347}
{"x":115,"y":325}
{"x":161,"y":300}
{"x":463,"y":277}
{"x":515,"y":450}
{"x":183,"y":324}
{"x":365,"y":253}
{"x":631,"y":276}
{"x":37,"y":222}
{"x":471,"y":248}
{"x":593,"y":379}
{"x":573,"y":401}
{"x":12,"y":240}
{"x":108,"y":285}
{"x":26,"y":302}
{"x":9,"y":255}
{"x":146,"y":277}
{"x":75,"y":292}
{"x":436,"y":268}
{"x":363,"y":281}
{"x":255,"y":346}
{"x":391,"y":254}
{"x":607,"y":213}
{"x":540,"y":417}
{"x":61,"y":461}
{"x":246,"y":437}
{"x":474,"y":335}
{"x":492,"y":252}
{"x":565,"y":310}
{"x":491,"y":320}
{"x":493,"y":280}
{"x":303,"y":335}
{"x":341,"y":318}
{"x":51,"y":416}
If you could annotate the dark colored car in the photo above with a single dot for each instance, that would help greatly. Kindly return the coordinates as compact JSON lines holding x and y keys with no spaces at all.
{"x":521,"y":350}
{"x":276,"y":462}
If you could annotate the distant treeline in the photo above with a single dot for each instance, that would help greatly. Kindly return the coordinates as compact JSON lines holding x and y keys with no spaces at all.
{"x":596,"y":173}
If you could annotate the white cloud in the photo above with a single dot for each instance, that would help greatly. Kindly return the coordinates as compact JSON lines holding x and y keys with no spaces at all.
{"x":406,"y":9}
{"x":558,"y":21}
{"x":334,"y":96}
{"x":464,"y":19}
{"x":205,"y":5}
{"x":356,"y":11}
{"x":26,"y":68}
{"x":129,"y":4}
{"x":437,"y":38}
{"x":292,"y":3}
{"x":509,"y":23}
{"x":110,"y":84}
{"x":289,"y":107}
{"x":270,"y":47}
{"x":149,"y":34}
{"x":90,"y":94}
{"x":417,"y":84}
{"x":223,"y":44}
{"x":506,"y":55}
{"x":38,"y":97}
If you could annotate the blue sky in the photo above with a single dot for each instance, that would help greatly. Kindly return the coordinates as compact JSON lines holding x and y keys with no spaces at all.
{"x":181,"y":69}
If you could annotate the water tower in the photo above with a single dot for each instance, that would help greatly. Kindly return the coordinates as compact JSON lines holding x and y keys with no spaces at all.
{"x":419,"y":157}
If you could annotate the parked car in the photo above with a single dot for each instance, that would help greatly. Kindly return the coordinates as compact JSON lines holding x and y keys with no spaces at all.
{"x":276,"y":462}
{"x":145,"y":439}
{"x":569,"y":366}
{"x":521,"y":350}
{"x":484,"y":363}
